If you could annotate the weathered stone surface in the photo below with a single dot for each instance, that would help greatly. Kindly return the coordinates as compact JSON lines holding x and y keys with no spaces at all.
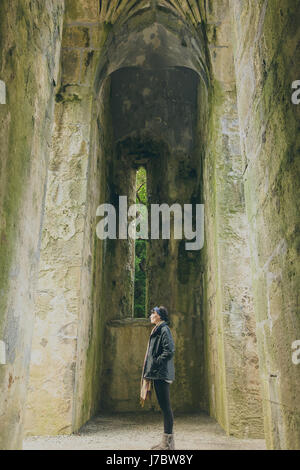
{"x":266,"y":54}
{"x":126,"y":343}
{"x":30,"y":49}
{"x":81,"y":11}
{"x":231,"y":355}
{"x":59,"y":283}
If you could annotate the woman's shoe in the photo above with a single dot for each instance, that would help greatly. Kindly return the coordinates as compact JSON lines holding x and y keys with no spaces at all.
{"x":167,"y":443}
{"x":170,"y":445}
{"x":158,"y":446}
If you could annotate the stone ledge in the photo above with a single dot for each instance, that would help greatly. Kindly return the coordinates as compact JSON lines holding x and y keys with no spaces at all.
{"x":129,"y":322}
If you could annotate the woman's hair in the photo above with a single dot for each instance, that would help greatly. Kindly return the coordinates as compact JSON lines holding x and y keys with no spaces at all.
{"x":163,"y":313}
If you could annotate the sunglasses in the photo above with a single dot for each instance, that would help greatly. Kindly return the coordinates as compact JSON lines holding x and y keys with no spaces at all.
{"x":155,"y":309}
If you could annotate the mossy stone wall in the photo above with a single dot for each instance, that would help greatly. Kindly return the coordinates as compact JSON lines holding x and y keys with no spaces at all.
{"x":266,"y":63}
{"x":231,"y":358}
{"x":30,"y":39}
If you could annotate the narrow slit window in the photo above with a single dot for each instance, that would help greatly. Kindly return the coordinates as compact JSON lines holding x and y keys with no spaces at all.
{"x":140,"y":251}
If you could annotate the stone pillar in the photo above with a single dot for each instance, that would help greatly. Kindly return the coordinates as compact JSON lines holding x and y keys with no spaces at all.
{"x":53,"y":358}
{"x":30,"y":41}
{"x":60,"y":398}
{"x":231,"y":354}
{"x":266,"y":64}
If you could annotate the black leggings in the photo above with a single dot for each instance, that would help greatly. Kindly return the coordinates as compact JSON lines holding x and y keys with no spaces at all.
{"x":162,"y":390}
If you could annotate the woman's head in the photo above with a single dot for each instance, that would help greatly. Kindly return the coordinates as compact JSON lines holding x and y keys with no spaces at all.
{"x":159,"y":314}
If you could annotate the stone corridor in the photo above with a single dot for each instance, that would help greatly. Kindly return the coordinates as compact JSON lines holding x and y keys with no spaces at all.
{"x":202,"y":95}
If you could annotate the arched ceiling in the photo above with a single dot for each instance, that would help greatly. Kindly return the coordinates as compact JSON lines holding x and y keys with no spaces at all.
{"x":121,"y":10}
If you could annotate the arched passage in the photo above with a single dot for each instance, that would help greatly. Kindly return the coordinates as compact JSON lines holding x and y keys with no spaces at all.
{"x":154,"y":118}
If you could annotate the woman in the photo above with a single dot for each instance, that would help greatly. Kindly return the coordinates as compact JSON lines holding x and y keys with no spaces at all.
{"x":159,"y":370}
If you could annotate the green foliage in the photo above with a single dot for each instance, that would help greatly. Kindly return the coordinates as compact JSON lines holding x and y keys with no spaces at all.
{"x":140,"y":251}
{"x":141,"y":186}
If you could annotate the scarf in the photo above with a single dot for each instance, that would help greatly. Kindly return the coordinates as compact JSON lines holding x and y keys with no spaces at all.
{"x":147,"y":384}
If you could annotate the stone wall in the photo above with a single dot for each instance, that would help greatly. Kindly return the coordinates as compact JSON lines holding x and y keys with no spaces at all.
{"x":266,"y":63}
{"x":231,"y":353}
{"x":93,"y":314}
{"x":58,"y":292}
{"x":126,"y":343}
{"x":66,"y":307}
{"x":30,"y":38}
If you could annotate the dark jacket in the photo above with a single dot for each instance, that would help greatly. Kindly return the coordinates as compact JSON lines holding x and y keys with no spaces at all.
{"x":159,"y":362}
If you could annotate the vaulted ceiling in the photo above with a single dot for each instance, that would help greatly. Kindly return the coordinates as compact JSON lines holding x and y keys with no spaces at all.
{"x":114,"y":10}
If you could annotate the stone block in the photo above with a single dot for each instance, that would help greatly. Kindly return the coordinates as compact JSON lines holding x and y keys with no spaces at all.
{"x":76,"y":36}
{"x":85,"y":10}
{"x":123,"y":382}
{"x":70,"y":66}
{"x":87,"y":68}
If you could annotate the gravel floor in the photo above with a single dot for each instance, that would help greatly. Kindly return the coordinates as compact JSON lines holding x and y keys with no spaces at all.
{"x":140,"y":432}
